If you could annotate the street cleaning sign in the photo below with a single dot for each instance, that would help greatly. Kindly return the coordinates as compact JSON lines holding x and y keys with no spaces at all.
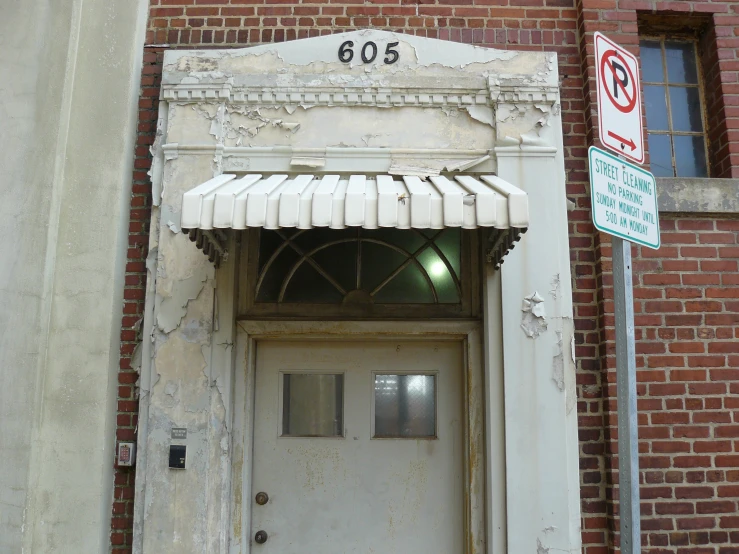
{"x":624,"y":199}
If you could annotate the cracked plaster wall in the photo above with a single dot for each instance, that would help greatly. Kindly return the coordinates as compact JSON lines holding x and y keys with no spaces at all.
{"x":302,"y":62}
{"x":306,"y":69}
{"x":540,"y":393}
{"x":336,"y":126}
{"x":183,"y":391}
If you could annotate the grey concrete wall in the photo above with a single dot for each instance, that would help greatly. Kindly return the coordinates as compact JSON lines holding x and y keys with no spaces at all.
{"x":30,"y":115}
{"x":68,"y":100}
{"x":702,"y":196}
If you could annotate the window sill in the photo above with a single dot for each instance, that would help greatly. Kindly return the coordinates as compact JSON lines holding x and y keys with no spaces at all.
{"x":694,"y":195}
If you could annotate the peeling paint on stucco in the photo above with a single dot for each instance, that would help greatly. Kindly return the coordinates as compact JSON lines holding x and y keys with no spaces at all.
{"x":534,"y":317}
{"x":554,"y":291}
{"x":558,"y":364}
{"x":415,"y":52}
{"x":173,"y":308}
{"x":295,"y":67}
{"x":483,"y":114}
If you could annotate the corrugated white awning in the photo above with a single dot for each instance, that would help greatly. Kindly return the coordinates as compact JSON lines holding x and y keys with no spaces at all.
{"x":306,"y":201}
{"x":337,"y":202}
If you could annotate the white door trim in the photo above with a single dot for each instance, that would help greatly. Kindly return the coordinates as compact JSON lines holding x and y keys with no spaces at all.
{"x":469,"y":332}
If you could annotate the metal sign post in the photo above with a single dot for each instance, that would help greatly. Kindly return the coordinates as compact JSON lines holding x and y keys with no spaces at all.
{"x":628,"y":429}
{"x":624,"y":202}
{"x":624,"y":199}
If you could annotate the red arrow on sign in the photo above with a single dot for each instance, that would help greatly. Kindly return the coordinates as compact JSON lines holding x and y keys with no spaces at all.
{"x":622,"y":140}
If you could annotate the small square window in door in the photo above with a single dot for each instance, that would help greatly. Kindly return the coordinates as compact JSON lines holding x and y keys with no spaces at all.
{"x":405,"y":406}
{"x":312,"y":405}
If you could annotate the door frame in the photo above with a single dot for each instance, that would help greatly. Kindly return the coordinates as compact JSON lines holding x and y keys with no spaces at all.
{"x":474,"y":379}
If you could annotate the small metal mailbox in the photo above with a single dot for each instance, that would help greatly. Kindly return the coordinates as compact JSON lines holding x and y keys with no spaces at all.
{"x":177,"y":456}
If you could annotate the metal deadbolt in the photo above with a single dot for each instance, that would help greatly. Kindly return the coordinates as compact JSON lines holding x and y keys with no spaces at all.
{"x":260,"y":537}
{"x":262,"y":498}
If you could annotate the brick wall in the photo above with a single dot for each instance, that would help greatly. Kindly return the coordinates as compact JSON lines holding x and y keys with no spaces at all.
{"x":687,"y":318}
{"x":679,"y":290}
{"x":133,"y":295}
{"x":721,"y":75}
{"x":687,"y":296}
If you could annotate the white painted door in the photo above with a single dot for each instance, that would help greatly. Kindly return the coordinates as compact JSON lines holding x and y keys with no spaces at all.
{"x":359,"y":447}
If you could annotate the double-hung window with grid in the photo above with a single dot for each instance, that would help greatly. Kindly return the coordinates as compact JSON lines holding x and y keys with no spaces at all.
{"x":674,"y":108}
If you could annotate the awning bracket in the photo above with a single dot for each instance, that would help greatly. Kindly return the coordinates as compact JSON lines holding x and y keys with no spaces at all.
{"x":501,"y":242}
{"x":211,"y":242}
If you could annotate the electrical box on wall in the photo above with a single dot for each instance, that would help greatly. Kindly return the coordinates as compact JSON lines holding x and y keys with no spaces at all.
{"x":177,"y":456}
{"x":126,"y":454}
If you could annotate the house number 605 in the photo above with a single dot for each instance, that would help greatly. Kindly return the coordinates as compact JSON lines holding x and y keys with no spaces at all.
{"x":368,"y":52}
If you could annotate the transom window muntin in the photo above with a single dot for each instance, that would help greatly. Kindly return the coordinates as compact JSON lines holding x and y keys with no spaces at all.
{"x":388,"y":266}
{"x":674,"y":107}
{"x":359,"y":273}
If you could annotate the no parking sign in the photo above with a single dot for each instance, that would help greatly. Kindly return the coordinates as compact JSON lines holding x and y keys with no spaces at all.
{"x":619,"y":99}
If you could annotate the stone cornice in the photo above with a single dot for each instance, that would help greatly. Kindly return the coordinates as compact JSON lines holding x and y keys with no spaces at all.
{"x":197,"y":92}
{"x":361,"y":96}
{"x":522,"y":94}
{"x":323,"y":96}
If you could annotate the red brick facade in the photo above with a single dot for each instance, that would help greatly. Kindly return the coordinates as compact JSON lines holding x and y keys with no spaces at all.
{"x":687,"y":293}
{"x":133,"y":296}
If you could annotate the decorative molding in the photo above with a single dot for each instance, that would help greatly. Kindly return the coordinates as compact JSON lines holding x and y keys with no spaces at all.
{"x":513,"y":148}
{"x":322,"y":96}
{"x":197,"y":92}
{"x":173,"y":148}
{"x":280,"y":159}
{"x":361,"y":96}
{"x":522,"y":94}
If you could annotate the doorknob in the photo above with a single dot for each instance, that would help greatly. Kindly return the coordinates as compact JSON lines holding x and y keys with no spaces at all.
{"x":260,"y":537}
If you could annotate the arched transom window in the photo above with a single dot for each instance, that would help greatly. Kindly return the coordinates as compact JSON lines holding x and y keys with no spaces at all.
{"x":402,"y":272}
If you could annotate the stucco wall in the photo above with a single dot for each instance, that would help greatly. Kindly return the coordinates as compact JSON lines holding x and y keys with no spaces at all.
{"x":67,"y":113}
{"x":30,"y":121}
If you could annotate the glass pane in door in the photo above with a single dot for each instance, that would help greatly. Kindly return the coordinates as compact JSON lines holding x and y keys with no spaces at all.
{"x":312,"y":405}
{"x":405,"y":406}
